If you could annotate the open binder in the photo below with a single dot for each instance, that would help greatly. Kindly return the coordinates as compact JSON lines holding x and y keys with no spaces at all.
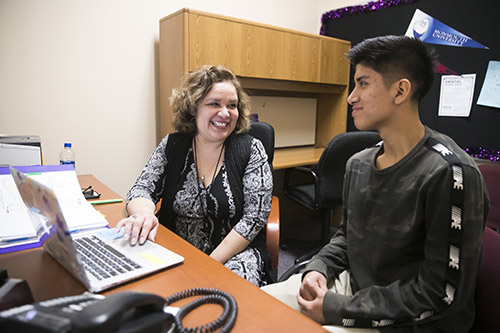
{"x":22,"y":228}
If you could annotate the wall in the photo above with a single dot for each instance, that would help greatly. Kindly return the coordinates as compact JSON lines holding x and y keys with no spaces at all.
{"x":86,"y":71}
{"x":327,"y":5}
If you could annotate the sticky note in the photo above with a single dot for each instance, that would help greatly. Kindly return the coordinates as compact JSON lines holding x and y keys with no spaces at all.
{"x":151,"y":257}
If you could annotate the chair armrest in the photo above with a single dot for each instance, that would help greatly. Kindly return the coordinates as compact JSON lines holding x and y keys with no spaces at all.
{"x":273,"y":232}
{"x":300,"y":170}
{"x":297,"y":268}
{"x":157,"y":208}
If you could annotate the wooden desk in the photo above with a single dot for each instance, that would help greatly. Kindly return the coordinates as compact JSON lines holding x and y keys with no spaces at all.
{"x":257,"y":311}
{"x":291,"y":157}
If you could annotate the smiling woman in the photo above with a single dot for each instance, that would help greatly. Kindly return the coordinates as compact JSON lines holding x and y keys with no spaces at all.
{"x":214,"y":181}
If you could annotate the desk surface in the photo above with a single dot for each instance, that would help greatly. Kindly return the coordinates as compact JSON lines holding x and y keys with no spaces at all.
{"x":296,"y":156}
{"x":257,"y":311}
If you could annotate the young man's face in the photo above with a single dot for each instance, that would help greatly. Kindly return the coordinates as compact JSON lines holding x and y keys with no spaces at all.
{"x":371,"y":100}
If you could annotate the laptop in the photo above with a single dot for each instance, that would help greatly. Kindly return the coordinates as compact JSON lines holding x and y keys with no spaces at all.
{"x":100,"y":258}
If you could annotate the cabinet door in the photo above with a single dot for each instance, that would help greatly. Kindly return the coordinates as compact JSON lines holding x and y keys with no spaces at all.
{"x":214,"y":41}
{"x":262,"y":52}
{"x":334,"y":65}
{"x":301,"y":58}
{"x":246,"y":49}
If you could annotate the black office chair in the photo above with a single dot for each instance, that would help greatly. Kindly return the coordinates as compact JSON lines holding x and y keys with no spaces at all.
{"x":325,"y":192}
{"x":265,"y":133}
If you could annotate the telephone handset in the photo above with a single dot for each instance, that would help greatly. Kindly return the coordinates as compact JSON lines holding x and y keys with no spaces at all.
{"x":13,"y":292}
{"x":126,"y":311}
{"x":123,"y":311}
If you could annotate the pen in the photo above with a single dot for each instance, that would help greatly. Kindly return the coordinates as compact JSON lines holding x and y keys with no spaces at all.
{"x":100,"y":202}
{"x":15,"y":240}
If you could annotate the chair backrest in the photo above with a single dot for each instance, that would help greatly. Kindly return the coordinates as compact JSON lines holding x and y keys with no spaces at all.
{"x":487,"y":295}
{"x":491,"y":175}
{"x":331,"y":165}
{"x":265,"y":133}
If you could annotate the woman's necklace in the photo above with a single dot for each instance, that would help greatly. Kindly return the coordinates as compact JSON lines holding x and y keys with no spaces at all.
{"x":202,"y":177}
{"x":207,"y":247}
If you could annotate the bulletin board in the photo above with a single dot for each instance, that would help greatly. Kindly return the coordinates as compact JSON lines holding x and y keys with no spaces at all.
{"x":479,"y":20}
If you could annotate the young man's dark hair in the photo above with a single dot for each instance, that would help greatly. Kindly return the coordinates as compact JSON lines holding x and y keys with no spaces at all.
{"x":396,"y":57}
{"x":406,"y":255}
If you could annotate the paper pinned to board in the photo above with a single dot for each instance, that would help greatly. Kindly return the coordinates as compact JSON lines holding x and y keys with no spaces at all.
{"x":455,"y":99}
{"x":490,"y":92}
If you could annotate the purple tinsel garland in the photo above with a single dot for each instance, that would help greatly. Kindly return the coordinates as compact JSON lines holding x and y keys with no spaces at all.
{"x":484,"y":154}
{"x":369,"y":7}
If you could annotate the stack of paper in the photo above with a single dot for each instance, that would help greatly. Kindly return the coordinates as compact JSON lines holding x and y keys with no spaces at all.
{"x":21,"y":228}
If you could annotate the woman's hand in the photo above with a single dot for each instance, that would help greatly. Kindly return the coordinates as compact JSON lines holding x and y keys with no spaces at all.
{"x":142,"y":224}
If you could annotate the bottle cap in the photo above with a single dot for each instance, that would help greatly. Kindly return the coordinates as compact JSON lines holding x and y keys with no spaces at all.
{"x":67,"y":144}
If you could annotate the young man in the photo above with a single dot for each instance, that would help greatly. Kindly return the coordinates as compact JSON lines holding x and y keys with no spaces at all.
{"x":414,"y":211}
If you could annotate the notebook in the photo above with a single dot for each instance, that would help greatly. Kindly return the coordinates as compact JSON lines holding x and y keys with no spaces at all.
{"x":125,"y":263}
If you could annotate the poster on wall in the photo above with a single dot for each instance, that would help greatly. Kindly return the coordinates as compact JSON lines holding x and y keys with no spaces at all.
{"x":429,"y":30}
{"x":455,"y":99}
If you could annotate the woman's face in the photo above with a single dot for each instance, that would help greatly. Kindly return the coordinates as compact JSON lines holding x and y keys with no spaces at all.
{"x":217,"y":113}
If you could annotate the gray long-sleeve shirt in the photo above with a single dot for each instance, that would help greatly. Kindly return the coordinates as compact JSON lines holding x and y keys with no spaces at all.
{"x":411,"y":239}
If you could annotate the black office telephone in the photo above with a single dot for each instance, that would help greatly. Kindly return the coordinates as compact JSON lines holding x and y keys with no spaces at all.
{"x":119,"y":312}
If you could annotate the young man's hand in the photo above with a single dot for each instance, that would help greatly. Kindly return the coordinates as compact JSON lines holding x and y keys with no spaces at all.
{"x":311,"y":294}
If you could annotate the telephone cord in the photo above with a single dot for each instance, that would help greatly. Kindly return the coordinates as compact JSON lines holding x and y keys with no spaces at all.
{"x":225,"y":321}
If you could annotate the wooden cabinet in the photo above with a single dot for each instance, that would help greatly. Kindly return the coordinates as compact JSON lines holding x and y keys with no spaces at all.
{"x":268,"y":61}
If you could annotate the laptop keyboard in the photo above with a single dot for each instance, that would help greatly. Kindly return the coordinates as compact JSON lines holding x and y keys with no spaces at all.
{"x":101,"y":260}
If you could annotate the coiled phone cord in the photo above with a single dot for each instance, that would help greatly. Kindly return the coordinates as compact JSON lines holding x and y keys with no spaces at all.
{"x":225,"y":321}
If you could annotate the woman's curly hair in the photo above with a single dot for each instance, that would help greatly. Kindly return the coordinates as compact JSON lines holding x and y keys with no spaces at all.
{"x":195,"y":86}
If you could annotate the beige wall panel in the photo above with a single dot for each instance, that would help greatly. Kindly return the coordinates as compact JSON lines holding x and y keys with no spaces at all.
{"x":293,"y":119}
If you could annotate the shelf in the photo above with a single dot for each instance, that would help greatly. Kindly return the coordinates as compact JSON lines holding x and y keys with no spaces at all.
{"x":296,"y":156}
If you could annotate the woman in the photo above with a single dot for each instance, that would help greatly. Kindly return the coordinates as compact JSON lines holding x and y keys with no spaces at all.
{"x":214,"y":181}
